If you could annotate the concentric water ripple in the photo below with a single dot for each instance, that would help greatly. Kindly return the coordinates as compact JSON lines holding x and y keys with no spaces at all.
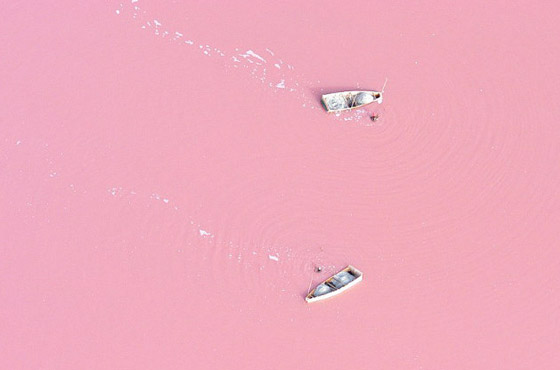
{"x":405,"y":186}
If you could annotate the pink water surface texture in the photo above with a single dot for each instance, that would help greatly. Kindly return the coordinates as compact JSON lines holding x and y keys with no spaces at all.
{"x":169,"y":184}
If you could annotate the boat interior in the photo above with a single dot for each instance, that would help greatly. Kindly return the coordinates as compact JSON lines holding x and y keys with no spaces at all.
{"x":335,"y":282}
{"x":348,"y":99}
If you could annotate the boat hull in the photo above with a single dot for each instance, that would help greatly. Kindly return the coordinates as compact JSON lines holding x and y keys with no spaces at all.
{"x":358,"y":276}
{"x":348,"y":100}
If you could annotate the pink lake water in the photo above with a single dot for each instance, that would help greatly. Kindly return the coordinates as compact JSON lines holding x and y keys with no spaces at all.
{"x":170,"y":181}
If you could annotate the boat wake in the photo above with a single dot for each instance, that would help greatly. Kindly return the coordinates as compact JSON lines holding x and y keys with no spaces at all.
{"x":264,"y":66}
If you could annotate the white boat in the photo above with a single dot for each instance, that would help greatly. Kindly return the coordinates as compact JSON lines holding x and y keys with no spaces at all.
{"x":346,"y":100}
{"x":336,"y":284}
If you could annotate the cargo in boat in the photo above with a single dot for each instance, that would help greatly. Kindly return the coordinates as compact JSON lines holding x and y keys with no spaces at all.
{"x":346,"y":100}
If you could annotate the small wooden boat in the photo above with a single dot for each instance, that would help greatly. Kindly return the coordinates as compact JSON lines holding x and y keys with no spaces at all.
{"x":336,"y":284}
{"x":346,"y":100}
